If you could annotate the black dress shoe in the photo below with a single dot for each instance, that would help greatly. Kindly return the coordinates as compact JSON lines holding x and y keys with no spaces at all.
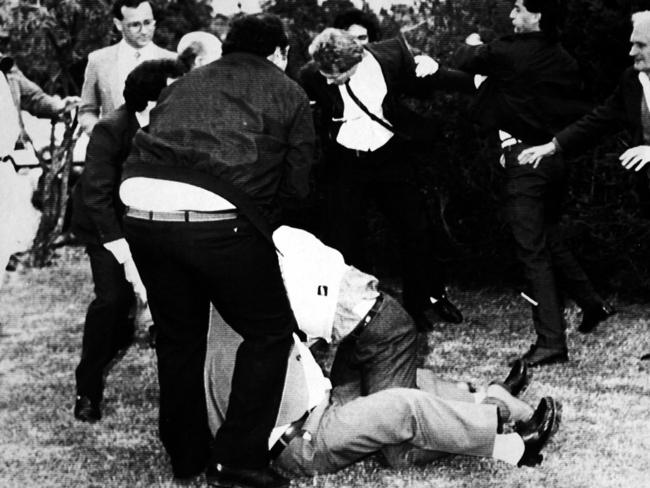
{"x":220,"y":476}
{"x":86,"y":410}
{"x":447,"y":311}
{"x":537,"y":431}
{"x":518,"y":378}
{"x":540,"y":356}
{"x":594,"y":316}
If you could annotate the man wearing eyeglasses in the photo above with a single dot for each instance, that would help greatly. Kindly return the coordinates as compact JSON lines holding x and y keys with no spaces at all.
{"x":108,"y":68}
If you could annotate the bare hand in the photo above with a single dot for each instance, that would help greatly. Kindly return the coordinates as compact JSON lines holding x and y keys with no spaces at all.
{"x":70,"y":102}
{"x":474,"y":39}
{"x":533,"y":155}
{"x":425,"y":65}
{"x":635,"y":157}
{"x":133,"y":277}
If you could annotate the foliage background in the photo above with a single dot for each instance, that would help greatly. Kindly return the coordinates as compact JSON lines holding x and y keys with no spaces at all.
{"x":607,"y":207}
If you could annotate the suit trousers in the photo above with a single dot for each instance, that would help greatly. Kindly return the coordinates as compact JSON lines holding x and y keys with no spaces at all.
{"x":185,"y":267}
{"x":108,"y":327}
{"x":387,"y":177}
{"x":408,"y":426}
{"x":533,"y":207}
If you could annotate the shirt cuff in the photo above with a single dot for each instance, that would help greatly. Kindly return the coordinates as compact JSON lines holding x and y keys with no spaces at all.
{"x":120,"y":249}
{"x":556,"y":144}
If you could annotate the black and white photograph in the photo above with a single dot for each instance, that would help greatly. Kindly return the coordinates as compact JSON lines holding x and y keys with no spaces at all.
{"x":325,"y":243}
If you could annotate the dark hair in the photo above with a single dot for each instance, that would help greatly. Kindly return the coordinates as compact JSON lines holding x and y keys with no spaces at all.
{"x":255,"y":34}
{"x":550,"y":10}
{"x":117,"y":7}
{"x":188,"y":55}
{"x":355,"y":16}
{"x":147,"y":80}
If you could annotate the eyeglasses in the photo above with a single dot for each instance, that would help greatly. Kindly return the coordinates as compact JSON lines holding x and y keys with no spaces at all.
{"x":138,"y":26}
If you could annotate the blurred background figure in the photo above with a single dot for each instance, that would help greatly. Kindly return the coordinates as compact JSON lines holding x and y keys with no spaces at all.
{"x":18,"y":217}
{"x":219,"y":26}
{"x":361,"y":25}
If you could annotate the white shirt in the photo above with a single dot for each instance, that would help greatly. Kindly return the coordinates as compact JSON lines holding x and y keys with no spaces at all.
{"x":358,"y":130}
{"x":128,"y":58}
{"x":10,"y":123}
{"x":313,"y":276}
{"x":169,"y":196}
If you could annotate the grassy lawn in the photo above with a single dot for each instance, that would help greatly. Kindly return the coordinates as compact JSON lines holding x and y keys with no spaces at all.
{"x":604,"y":440}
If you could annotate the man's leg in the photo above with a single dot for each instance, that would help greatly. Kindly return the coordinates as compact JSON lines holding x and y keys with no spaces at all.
{"x":525,"y":210}
{"x":179,"y":304}
{"x":245,"y":285}
{"x":107,"y":327}
{"x":347,"y":432}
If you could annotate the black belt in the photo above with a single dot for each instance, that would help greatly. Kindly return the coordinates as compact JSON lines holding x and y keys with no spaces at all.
{"x":181,"y":215}
{"x":368,"y":317}
{"x":293,"y":431}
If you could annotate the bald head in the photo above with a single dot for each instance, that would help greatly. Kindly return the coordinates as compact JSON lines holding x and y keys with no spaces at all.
{"x":640,"y":40}
{"x":198,"y":48}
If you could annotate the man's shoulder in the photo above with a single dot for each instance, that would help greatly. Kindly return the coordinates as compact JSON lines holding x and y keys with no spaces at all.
{"x":103,"y":54}
{"x":388,"y":48}
{"x":164,"y":53}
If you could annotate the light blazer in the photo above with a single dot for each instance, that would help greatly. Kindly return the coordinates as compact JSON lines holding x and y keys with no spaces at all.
{"x":222,"y":346}
{"x":102,"y":84}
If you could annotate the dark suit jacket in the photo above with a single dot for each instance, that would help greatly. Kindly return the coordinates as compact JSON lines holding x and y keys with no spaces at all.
{"x":398,"y":68}
{"x":97,"y":214}
{"x":622,"y":110}
{"x":532,"y":88}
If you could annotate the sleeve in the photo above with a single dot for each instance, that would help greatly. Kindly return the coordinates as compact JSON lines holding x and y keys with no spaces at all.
{"x":443,"y":79}
{"x":89,"y":109}
{"x":33,"y":99}
{"x":101,"y":177}
{"x":608,"y":118}
{"x":478,"y":59}
{"x":300,"y":154}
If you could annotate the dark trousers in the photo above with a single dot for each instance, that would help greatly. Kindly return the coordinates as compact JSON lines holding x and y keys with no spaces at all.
{"x":185,"y":267}
{"x":108,"y":327}
{"x":381,"y":355}
{"x":534,"y":199}
{"x":387,"y":177}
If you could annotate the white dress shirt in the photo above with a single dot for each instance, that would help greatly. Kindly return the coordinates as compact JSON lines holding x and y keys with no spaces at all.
{"x":358,"y":130}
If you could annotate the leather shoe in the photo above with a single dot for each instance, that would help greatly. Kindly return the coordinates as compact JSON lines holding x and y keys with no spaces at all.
{"x":540,"y":356}
{"x":538,"y":430}
{"x":220,"y":476}
{"x":594,"y":316}
{"x":517,"y":380}
{"x":447,"y":311}
{"x":86,"y":410}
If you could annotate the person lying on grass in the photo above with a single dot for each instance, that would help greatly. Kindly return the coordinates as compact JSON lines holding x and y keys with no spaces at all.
{"x":376,"y":399}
